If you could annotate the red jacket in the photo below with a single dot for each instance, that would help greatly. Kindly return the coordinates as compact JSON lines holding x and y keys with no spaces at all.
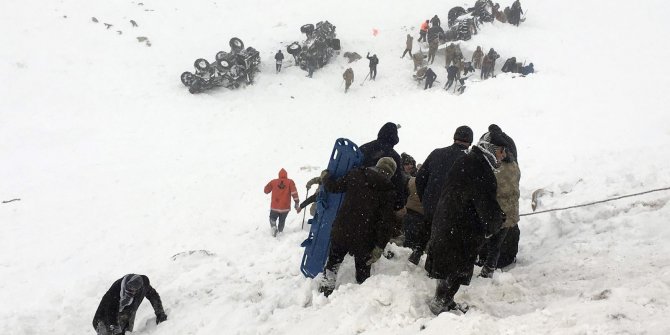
{"x":283,"y":189}
{"x":424,"y":26}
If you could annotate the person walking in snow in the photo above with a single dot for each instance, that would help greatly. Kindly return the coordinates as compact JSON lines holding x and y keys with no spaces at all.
{"x":363,"y":223}
{"x":423,"y":31}
{"x":435,"y":21}
{"x":116,"y":312}
{"x":373,"y":65}
{"x":477,"y":57}
{"x":430,"y":180}
{"x":283,"y":189}
{"x":408,"y":46}
{"x":507,"y":195}
{"x":515,"y":13}
{"x":466,"y":214}
{"x":452,"y":74}
{"x":279,"y":58}
{"x":430,"y":78}
{"x":311,"y":65}
{"x":432,"y":49}
{"x":348,"y":77}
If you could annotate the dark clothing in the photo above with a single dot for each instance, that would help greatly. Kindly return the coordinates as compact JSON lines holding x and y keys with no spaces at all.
{"x":274,"y":215}
{"x":466,"y":213}
{"x":422,"y":36}
{"x":365,"y":218}
{"x":108,"y":313}
{"x":528,"y":69}
{"x":452,"y":73}
{"x":372,"y":151}
{"x":405,"y":52}
{"x":515,"y":13}
{"x":434,"y":33}
{"x":435,"y":21}
{"x":417,"y":231}
{"x":336,"y":255}
{"x":279,"y":57}
{"x":430,"y":78}
{"x":432,"y":176}
{"x":311,"y":65}
{"x":492,"y":248}
{"x":373,"y":66}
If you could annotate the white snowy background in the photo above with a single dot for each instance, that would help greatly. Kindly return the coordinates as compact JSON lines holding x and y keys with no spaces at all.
{"x":119,"y":168}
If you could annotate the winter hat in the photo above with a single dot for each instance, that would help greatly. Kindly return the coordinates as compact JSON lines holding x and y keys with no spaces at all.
{"x":407,"y":159}
{"x":489,"y":143}
{"x":387,"y":166}
{"x":463,"y":134}
{"x":388,"y":134}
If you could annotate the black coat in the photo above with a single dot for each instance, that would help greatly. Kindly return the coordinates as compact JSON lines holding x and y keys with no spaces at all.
{"x":387,"y":138}
{"x":108,"y":310}
{"x":279,"y":56}
{"x":433,"y":174}
{"x":452,"y":71}
{"x":366,"y":216}
{"x":373,"y":61}
{"x":435,"y":21}
{"x":466,"y":213}
{"x":430,"y":76}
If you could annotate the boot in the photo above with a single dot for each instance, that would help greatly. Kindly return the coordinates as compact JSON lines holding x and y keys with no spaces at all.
{"x":486,"y":272}
{"x":274,"y":231}
{"x":415,"y":257}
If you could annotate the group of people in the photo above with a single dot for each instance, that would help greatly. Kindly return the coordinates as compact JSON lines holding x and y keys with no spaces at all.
{"x":458,"y":204}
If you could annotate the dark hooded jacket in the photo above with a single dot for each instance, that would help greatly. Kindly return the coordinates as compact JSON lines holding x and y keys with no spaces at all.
{"x":366,"y":216}
{"x":466,"y":212}
{"x":108,"y":311}
{"x":510,"y":147}
{"x":387,"y":138}
{"x":433,"y":174}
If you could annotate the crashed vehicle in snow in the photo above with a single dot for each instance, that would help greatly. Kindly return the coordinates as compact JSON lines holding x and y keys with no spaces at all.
{"x":321,"y":44}
{"x":229,"y":69}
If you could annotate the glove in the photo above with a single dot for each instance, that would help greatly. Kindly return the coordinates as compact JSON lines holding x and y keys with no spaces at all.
{"x":160,"y":317}
{"x":297,"y":207}
{"x":375,"y":255}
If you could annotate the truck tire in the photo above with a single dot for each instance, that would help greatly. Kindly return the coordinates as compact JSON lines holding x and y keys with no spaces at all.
{"x":187,"y":78}
{"x":201,"y":64}
{"x":236,"y":44}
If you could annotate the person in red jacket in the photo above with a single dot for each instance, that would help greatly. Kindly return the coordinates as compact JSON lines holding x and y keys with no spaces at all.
{"x":423,"y":30}
{"x":283,"y":189}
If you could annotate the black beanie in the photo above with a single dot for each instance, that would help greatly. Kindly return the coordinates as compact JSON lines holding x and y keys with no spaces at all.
{"x":464,"y":134}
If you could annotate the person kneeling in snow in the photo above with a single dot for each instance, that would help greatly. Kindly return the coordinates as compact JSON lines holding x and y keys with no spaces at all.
{"x":363,"y":223}
{"x":116,"y":312}
{"x":283,"y":189}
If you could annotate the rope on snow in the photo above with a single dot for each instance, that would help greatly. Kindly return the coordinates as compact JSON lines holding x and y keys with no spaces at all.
{"x":597,"y":202}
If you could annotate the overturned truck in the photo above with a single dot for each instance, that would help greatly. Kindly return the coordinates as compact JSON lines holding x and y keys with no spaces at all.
{"x":229,"y":69}
{"x":321,"y":45}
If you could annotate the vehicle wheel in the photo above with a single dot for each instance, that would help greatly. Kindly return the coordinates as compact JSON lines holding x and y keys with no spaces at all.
{"x":224,"y":64}
{"x":201,"y":64}
{"x":307,"y":29}
{"x":236,"y":44}
{"x":221,"y":55}
{"x":293,"y":48}
{"x":187,"y":78}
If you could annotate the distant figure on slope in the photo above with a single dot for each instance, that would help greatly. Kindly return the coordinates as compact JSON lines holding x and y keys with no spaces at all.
{"x":430,"y":79}
{"x":363,"y":223}
{"x":408,"y":46}
{"x":279,"y":58}
{"x":477,"y":58}
{"x":515,"y":13}
{"x":283,"y":189}
{"x":373,"y":65}
{"x":116,"y":313}
{"x":452,"y":74}
{"x":423,"y":30}
{"x":432,"y":49}
{"x":435,"y":21}
{"x":348,"y":77}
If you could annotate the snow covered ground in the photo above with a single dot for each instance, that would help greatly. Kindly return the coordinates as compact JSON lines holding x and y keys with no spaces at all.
{"x":118,"y":168}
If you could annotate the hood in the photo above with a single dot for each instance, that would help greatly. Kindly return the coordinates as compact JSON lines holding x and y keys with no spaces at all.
{"x":130,"y":286}
{"x":388,"y":134}
{"x":376,"y":180}
{"x":283,"y":174}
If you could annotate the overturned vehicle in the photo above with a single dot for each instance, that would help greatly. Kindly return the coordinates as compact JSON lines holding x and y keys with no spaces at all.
{"x":229,"y":69}
{"x":321,"y":45}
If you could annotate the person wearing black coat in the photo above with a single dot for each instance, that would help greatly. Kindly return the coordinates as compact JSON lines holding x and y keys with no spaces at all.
{"x":279,"y":58}
{"x":433,"y":173}
{"x":452,"y":73}
{"x":373,"y":65}
{"x":116,"y":312}
{"x":387,"y":138}
{"x":466,"y":214}
{"x":430,"y":78}
{"x":435,"y":21}
{"x":363,"y":223}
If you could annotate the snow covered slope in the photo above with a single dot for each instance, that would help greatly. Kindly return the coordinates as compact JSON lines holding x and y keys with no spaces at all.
{"x":118,"y":168}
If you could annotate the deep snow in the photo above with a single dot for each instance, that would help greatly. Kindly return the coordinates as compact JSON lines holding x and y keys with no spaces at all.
{"x":118,"y":168}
